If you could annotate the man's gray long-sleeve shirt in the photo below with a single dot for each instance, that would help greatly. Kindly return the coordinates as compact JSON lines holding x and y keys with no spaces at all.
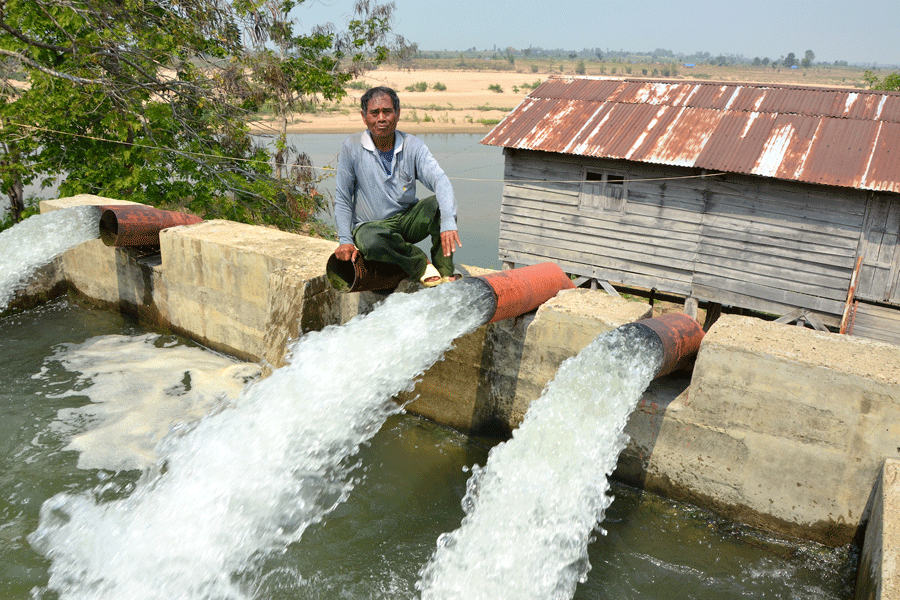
{"x":365,"y":192}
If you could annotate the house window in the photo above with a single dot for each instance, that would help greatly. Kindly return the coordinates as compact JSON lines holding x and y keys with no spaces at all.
{"x":603,"y":192}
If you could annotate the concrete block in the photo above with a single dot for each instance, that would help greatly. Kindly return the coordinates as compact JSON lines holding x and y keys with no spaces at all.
{"x":486,"y":383}
{"x":783,"y":427}
{"x":878,"y":577}
{"x":218,"y":280}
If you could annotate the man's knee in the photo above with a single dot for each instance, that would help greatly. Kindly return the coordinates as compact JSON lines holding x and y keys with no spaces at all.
{"x":369,"y":235}
{"x":428,"y":208}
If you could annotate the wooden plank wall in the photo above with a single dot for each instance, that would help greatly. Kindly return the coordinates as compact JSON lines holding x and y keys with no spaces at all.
{"x":879,"y":280}
{"x":740,"y":241}
{"x":653,"y":244}
{"x":774,"y":247}
{"x":876,"y":323}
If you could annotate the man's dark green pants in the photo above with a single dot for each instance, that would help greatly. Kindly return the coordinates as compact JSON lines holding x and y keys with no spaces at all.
{"x":393,"y":240}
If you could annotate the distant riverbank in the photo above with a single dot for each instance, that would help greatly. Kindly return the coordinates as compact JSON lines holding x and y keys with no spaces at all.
{"x":470,"y":102}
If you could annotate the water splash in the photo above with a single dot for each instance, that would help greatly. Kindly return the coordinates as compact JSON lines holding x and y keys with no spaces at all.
{"x":247,"y":481}
{"x":531,"y":510}
{"x":37,"y":240}
{"x":139,"y":387}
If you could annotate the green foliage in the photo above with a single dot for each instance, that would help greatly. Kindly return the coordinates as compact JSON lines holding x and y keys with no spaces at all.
{"x":149,"y":100}
{"x":439,"y":87}
{"x":419,"y":86}
{"x":495,"y":87}
{"x":807,"y":60}
{"x":889,"y":83}
{"x":579,"y":67}
{"x":357,"y":84}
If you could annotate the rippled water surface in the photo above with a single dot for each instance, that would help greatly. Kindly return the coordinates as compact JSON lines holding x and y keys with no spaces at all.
{"x":406,"y":485}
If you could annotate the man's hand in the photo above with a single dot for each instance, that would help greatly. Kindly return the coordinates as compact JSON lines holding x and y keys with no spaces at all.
{"x":449,"y":239}
{"x":350,"y":252}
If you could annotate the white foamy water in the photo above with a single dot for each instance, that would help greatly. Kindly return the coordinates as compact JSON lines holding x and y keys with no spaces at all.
{"x":248,"y":480}
{"x":531,"y":511}
{"x":139,"y":388}
{"x":34,"y":242}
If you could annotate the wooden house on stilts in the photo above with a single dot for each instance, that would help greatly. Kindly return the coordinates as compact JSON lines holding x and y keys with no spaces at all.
{"x":778,"y":199}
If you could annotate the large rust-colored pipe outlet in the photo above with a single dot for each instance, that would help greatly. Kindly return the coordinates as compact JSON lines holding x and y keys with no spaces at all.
{"x":125,"y":225}
{"x":679,"y":336}
{"x":522,"y":290}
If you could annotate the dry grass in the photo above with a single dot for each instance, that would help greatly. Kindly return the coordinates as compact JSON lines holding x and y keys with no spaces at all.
{"x":468,"y":105}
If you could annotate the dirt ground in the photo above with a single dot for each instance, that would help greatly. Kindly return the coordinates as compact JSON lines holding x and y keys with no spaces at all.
{"x":470,"y":103}
{"x":466,"y":106}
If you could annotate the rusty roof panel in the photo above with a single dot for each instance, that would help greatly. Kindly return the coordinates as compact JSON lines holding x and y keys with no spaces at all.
{"x":830,"y":136}
{"x":881,"y":173}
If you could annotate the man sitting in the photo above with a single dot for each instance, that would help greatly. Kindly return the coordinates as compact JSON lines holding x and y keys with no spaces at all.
{"x":375,"y":206}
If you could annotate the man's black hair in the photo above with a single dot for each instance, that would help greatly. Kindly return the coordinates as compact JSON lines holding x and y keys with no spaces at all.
{"x":379,"y":91}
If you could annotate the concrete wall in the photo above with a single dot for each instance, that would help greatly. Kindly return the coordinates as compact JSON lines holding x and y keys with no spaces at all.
{"x":878,"y":577}
{"x":778,"y":426}
{"x":237,"y":288}
{"x":782,"y":426}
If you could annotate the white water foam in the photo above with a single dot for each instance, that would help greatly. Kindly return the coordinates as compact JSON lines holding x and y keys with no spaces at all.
{"x":247,"y":481}
{"x":139,"y":388}
{"x":531,"y":510}
{"x":34,"y":242}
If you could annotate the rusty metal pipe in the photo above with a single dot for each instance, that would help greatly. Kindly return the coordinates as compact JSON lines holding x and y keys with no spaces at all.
{"x":678,"y":334}
{"x":362,"y":275}
{"x":124,"y":225}
{"x":522,"y":290}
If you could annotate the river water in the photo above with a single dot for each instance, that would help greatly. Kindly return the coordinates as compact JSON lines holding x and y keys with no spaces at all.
{"x":86,"y":394}
{"x":138,"y":465}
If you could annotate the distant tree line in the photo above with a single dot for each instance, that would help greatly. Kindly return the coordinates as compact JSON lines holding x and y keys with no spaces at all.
{"x":658,"y":55}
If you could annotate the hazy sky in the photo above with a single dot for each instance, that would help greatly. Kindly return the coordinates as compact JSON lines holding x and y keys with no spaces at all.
{"x":867,"y":33}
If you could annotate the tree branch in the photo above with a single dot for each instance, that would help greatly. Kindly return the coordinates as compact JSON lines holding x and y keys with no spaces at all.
{"x":47,"y":71}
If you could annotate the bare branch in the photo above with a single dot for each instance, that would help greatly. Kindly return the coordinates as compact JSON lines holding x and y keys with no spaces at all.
{"x":35,"y":65}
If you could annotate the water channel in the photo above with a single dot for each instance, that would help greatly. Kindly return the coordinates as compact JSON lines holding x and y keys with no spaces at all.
{"x":88,"y":395}
{"x":79,"y":379}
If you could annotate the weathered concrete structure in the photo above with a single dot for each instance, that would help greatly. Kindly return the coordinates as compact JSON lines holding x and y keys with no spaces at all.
{"x":778,"y":426}
{"x":879,"y":565}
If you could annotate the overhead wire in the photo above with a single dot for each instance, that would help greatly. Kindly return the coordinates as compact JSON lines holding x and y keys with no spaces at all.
{"x":328,"y":169}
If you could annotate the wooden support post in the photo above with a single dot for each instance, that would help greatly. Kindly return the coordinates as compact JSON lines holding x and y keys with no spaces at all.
{"x":713,"y":312}
{"x":579,"y":281}
{"x":691,"y":307}
{"x":851,"y":292}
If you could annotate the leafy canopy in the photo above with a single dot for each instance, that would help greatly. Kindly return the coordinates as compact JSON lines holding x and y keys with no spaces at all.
{"x":150,"y":100}
{"x":889,"y":83}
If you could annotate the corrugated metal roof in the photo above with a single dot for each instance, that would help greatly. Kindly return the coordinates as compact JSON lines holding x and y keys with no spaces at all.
{"x":829,"y":136}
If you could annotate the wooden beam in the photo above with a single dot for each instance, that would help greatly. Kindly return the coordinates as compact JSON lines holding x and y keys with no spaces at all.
{"x":607,"y":286}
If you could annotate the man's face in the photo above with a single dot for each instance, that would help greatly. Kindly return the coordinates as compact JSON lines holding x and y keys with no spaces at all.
{"x":381,"y":118}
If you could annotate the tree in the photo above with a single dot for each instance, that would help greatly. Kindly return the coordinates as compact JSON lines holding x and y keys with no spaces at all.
{"x":790,"y":60}
{"x":808,"y":59}
{"x":293,"y":71}
{"x":889,"y":83}
{"x":149,"y":100}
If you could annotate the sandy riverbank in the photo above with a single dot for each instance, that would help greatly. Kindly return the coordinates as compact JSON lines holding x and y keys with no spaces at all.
{"x":469,"y":105}
{"x":466,"y":106}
